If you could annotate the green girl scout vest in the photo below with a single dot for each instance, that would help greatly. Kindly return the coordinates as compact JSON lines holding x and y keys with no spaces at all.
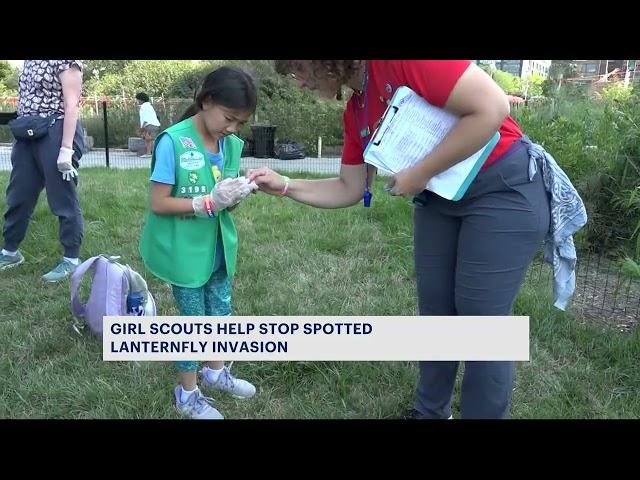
{"x":180,"y":249}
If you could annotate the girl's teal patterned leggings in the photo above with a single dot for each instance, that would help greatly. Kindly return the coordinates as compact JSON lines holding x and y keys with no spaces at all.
{"x":213,"y":298}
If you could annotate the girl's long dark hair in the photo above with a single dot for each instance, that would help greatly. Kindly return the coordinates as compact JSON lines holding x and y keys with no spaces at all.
{"x":229,"y":87}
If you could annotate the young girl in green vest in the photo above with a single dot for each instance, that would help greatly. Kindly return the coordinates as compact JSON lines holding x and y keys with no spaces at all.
{"x":189,"y":239}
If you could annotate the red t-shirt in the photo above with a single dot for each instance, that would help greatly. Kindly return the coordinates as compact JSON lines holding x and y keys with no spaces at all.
{"x":431,"y":79}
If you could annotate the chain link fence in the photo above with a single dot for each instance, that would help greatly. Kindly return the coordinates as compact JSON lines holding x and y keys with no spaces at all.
{"x":606,"y":292}
{"x":112,"y":139}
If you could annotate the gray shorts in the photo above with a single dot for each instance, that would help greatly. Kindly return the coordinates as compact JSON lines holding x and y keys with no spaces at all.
{"x":151,"y":130}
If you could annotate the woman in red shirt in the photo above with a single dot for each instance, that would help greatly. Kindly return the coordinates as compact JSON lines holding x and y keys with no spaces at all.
{"x":470,"y":255}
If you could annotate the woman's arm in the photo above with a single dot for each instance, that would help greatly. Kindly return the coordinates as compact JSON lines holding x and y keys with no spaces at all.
{"x":482,"y":107}
{"x":343,"y":191}
{"x":71,"y":80}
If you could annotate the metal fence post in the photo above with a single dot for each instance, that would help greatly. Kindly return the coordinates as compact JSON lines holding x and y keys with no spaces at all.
{"x":106,"y":131}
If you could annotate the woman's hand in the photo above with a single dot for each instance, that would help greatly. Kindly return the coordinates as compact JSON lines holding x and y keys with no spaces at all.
{"x":267,"y":180}
{"x":408,"y":182}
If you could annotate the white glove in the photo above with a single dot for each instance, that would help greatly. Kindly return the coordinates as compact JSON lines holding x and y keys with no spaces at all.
{"x":64,"y":164}
{"x":244,"y":187}
{"x":225,"y":194}
{"x":251,"y":186}
{"x":230,"y":191}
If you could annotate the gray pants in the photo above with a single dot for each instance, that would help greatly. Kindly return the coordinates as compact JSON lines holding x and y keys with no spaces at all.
{"x":471,"y":257}
{"x":34,"y":168}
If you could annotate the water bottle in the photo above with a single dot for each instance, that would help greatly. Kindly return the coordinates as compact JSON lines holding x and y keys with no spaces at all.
{"x":135,"y":304}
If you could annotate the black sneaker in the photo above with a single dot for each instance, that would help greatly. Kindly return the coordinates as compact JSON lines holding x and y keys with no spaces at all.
{"x":411,"y":414}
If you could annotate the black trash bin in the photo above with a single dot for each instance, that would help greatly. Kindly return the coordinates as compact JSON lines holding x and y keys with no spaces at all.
{"x":263,"y":140}
{"x":247,"y":148}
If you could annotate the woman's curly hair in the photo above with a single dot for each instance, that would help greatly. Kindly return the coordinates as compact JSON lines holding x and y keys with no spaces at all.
{"x":342,"y":69}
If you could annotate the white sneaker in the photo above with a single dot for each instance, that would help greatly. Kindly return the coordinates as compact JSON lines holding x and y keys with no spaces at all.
{"x":197,"y":406}
{"x":226,"y":382}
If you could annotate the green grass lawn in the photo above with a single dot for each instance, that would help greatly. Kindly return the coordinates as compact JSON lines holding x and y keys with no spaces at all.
{"x":293,"y":260}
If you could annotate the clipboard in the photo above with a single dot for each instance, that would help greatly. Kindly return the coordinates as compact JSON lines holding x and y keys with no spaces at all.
{"x":410,"y":129}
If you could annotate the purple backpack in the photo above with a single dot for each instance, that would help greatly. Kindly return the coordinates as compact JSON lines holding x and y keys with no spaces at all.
{"x":110,"y":285}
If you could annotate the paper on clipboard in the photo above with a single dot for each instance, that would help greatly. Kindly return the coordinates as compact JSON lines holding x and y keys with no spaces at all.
{"x":411,"y":128}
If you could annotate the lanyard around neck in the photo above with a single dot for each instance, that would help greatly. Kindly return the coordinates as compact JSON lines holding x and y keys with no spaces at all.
{"x":363,"y":130}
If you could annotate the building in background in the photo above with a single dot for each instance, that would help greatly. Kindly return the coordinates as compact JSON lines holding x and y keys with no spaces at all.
{"x":524,"y":68}
{"x":585,"y":68}
{"x":602,"y":71}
